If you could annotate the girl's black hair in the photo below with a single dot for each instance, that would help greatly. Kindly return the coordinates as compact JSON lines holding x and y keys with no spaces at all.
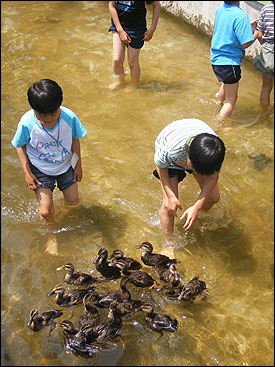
{"x":206,"y":153}
{"x":45,"y":96}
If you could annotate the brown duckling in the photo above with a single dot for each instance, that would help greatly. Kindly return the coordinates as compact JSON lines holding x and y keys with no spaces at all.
{"x":189,"y":291}
{"x":105,"y":331}
{"x":119,"y":296}
{"x":170,"y":276}
{"x":38,"y":321}
{"x":151,"y":259}
{"x":192,"y":289}
{"x":90,"y":314}
{"x":104,"y":267}
{"x":70,"y":297}
{"x":77,"y":278}
{"x":158,"y":322}
{"x":130,"y":263}
{"x":137,"y":277}
{"x":75,"y":342}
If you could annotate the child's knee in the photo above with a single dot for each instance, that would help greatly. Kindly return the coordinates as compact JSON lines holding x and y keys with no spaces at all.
{"x":46,"y":213}
{"x":215,"y":198}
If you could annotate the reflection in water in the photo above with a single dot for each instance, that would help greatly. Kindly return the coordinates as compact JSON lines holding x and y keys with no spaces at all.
{"x":230,"y":248}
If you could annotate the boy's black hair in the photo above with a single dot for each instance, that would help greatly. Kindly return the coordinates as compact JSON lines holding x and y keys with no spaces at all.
{"x":206,"y":153}
{"x":45,"y":96}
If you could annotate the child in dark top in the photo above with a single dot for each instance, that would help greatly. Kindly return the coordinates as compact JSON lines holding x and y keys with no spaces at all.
{"x":129,"y":30}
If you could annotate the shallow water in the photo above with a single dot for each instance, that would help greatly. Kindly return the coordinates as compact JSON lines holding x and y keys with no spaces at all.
{"x":231,"y":248}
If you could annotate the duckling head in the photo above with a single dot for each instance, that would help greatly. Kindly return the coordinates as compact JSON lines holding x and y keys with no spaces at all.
{"x":147,"y":308}
{"x":33,"y":314}
{"x":147,"y":246}
{"x":117,"y":254}
{"x":68,"y":267}
{"x":58,"y":289}
{"x":102,"y":254}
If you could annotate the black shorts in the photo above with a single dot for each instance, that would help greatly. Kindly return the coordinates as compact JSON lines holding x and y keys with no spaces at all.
{"x":228,"y":74}
{"x":136,"y":37}
{"x":172,"y":172}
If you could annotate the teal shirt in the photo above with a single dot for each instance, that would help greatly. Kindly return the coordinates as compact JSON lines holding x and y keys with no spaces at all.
{"x":232,"y":29}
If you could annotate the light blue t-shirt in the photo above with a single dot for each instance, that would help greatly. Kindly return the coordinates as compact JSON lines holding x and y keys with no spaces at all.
{"x":49,"y":150}
{"x":232,"y":29}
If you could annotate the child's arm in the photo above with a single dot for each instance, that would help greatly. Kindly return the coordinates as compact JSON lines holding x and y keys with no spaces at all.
{"x":193,"y":211}
{"x":122,"y":34}
{"x":78,"y":166}
{"x":30,"y":178}
{"x":173,"y":202}
{"x":156,"y":11}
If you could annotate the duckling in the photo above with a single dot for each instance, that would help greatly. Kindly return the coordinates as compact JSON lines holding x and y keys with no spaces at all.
{"x":105,"y":331}
{"x":130,"y":263}
{"x":193,"y":288}
{"x":77,"y":278}
{"x":38,"y":321}
{"x":170,"y":276}
{"x":189,"y":291}
{"x":90,"y":314}
{"x":159,"y":322}
{"x":103,"y":266}
{"x":70,"y":297}
{"x":137,"y":277}
{"x":151,"y":259}
{"x":75,"y":342}
{"x":119,"y":296}
{"x":129,"y":306}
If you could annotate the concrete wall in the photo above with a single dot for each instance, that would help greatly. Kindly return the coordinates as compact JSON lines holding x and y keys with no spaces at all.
{"x":201,"y":14}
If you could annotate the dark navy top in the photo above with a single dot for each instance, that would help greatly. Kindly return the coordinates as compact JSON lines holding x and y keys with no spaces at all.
{"x":132,"y":15}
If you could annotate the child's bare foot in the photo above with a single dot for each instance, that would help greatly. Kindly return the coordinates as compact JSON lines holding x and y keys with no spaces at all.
{"x":52,"y":247}
{"x":114,"y":85}
{"x":132,"y":86}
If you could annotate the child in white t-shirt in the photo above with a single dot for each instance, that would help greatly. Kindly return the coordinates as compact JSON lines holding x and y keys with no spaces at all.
{"x":48,"y":147}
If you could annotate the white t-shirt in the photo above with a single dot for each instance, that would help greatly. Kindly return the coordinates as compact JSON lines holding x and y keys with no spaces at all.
{"x":171,"y":145}
{"x":49,"y":150}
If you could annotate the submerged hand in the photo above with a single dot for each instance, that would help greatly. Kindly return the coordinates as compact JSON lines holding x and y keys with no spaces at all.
{"x":173,"y":205}
{"x":191,"y":214}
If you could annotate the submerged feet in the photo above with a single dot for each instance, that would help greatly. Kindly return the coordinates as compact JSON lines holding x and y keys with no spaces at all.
{"x":52,"y":247}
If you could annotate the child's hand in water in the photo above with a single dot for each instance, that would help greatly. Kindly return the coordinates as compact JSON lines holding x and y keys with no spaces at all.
{"x":191,"y":214}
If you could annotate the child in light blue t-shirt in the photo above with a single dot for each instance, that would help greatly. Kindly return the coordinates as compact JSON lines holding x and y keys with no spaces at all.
{"x":233,"y":33}
{"x":48,"y":147}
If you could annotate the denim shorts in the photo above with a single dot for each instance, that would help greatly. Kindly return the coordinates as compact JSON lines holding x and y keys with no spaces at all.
{"x":63,"y":181}
{"x":228,"y":74}
{"x":136,"y":37}
{"x":172,"y":172}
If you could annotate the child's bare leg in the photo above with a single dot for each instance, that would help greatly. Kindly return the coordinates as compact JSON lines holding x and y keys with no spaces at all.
{"x":44,"y":197}
{"x":230,"y":98}
{"x":215,"y":195}
{"x":166,"y":218}
{"x":133,"y":61}
{"x":267,"y":85}
{"x":118,"y":60}
{"x":71,"y":195}
{"x":221,"y":94}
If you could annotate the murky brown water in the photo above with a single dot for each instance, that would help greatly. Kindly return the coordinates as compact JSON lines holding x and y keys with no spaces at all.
{"x":231,"y":248}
